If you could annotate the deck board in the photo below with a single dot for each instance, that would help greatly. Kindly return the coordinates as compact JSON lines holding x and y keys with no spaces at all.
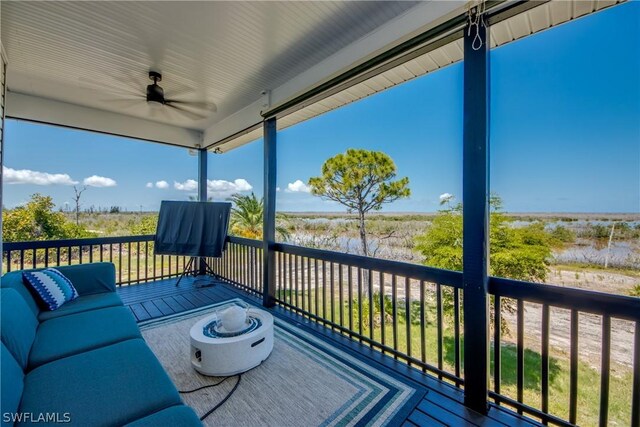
{"x":441,"y":406}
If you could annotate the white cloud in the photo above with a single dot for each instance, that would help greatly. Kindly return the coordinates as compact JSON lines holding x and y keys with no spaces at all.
{"x":188,"y":185}
{"x":99,"y":181}
{"x":26,"y":176}
{"x":446,"y":197}
{"x":162,"y":185}
{"x":219,"y":188}
{"x":298,"y":187}
{"x":277,"y":188}
{"x":149,"y":185}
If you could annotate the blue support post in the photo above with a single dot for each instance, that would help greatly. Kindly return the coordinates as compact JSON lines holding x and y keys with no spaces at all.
{"x":269,"y":219}
{"x":202,"y":196}
{"x":475,"y":182}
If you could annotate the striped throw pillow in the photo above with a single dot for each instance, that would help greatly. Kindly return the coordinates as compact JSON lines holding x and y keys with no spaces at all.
{"x":52,"y":286}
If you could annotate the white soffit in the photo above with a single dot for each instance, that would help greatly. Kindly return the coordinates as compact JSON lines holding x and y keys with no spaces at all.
{"x":545,"y":16}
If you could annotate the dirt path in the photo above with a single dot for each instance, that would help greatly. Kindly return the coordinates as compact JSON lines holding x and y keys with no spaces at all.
{"x":589,"y":335}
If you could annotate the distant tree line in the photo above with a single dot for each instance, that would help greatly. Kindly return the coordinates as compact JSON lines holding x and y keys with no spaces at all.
{"x":37,"y":220}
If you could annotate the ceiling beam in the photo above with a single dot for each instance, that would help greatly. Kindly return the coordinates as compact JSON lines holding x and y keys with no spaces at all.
{"x":42,"y":110}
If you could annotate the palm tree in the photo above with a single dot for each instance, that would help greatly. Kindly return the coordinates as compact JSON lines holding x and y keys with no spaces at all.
{"x":246,"y":217}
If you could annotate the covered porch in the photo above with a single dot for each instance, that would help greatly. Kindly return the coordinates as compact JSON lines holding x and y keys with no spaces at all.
{"x":318,"y":58}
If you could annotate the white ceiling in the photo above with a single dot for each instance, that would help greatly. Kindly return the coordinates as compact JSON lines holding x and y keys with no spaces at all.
{"x":89,"y":53}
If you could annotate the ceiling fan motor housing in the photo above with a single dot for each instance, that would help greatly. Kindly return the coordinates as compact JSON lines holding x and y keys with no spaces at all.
{"x":155,"y":93}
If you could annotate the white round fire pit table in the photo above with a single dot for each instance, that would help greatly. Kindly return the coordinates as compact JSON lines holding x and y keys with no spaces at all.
{"x":234,"y":339}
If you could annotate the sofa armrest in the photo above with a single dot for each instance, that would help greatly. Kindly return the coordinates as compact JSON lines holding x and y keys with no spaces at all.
{"x":93,"y":278}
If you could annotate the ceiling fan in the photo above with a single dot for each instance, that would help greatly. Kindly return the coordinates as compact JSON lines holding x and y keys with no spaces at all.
{"x":156,"y":99}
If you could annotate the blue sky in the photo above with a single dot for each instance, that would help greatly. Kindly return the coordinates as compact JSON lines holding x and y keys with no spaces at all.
{"x":565,"y":137}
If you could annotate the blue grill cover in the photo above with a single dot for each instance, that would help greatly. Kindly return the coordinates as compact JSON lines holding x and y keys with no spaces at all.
{"x":197,"y":229}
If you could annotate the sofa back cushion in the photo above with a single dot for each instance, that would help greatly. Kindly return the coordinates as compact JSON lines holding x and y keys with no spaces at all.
{"x":92,"y":278}
{"x":52,"y":286}
{"x":88,"y":279}
{"x":19,"y":326}
{"x":11,"y":384}
{"x":13,"y":280}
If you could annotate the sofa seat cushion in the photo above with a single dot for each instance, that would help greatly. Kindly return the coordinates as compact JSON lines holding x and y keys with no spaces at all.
{"x":76,"y":333}
{"x":11,"y":385}
{"x":180,"y":415}
{"x":83,"y":303}
{"x":112,"y":385}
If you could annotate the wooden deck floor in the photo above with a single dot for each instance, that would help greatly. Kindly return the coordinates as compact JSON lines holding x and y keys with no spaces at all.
{"x":441,"y":406}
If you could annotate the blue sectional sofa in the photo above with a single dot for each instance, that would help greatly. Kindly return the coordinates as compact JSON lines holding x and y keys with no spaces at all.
{"x":85,"y":363}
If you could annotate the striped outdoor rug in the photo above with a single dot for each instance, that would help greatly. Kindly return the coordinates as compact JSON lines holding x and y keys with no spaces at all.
{"x":305,"y":381}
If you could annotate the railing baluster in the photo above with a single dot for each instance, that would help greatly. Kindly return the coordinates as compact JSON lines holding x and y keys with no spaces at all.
{"x":423,"y":326}
{"x":90,"y":253}
{"x":120,"y":263}
{"x":635,"y":395}
{"x":69,"y":255}
{"x":296,"y":280}
{"x":315,"y":267}
{"x":281,"y":280}
{"x":360,"y":302}
{"x":310,"y":293}
{"x":350,"y":296}
{"x":383,"y":309}
{"x":80,"y":254}
{"x":57,"y":256}
{"x":520,"y":352}
{"x":332,"y":292}
{"x":407,"y":313}
{"x":324,"y":290}
{"x":545,"y":360}
{"x":439,"y":326}
{"x":245,"y":270}
{"x":129,"y":262}
{"x":34,"y":259}
{"x":101,"y":252}
{"x":46,"y":257}
{"x":341,"y":294}
{"x":497,"y":345}
{"x":456,"y":331}
{"x":394,"y":312}
{"x":146,"y":261}
{"x":286,"y":278}
{"x":236,"y":263}
{"x":573,"y":375}
{"x":8,"y":261}
{"x":137,"y":262}
{"x":302,"y":285}
{"x":370,"y":290}
{"x":605,"y":370}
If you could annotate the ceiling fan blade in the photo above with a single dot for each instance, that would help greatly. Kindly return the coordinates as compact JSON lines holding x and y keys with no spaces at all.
{"x":185,"y":112}
{"x":201,"y":105}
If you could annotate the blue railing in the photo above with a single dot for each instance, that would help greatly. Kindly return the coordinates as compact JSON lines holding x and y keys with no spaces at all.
{"x":410,"y":312}
{"x":133,"y":256}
